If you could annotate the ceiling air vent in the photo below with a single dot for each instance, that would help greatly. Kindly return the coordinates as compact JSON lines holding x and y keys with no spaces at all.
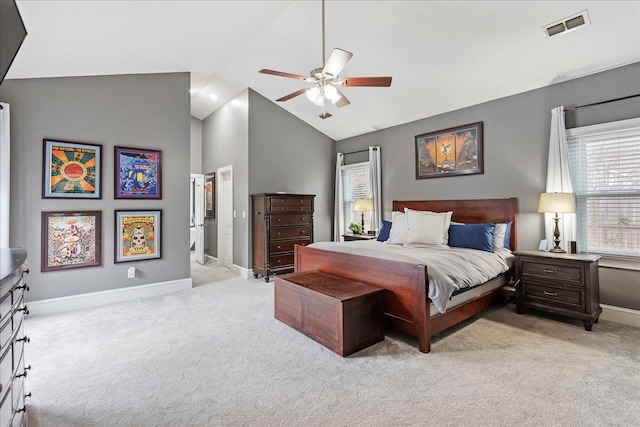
{"x":567,"y":24}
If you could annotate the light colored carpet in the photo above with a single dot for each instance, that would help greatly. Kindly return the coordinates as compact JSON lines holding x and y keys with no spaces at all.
{"x":214,"y":355}
{"x":202,"y":274}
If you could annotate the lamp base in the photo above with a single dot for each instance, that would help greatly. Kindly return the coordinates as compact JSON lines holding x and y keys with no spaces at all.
{"x":558,"y":251}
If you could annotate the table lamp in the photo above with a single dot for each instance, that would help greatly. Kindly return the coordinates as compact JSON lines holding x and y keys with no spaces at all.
{"x":557,"y":203}
{"x":363,"y":205}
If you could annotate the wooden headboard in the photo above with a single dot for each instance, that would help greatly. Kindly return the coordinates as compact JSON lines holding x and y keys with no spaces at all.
{"x":470,"y":211}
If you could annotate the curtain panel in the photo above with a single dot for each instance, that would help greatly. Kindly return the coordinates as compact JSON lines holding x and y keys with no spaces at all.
{"x":338,"y":215}
{"x":375,"y":185}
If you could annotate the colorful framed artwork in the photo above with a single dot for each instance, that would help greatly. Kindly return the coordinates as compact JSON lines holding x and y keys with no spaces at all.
{"x":138,"y":235}
{"x":450,"y":152}
{"x":138,"y":173}
{"x":71,"y":240}
{"x":71,"y":170}
{"x":210,"y":195}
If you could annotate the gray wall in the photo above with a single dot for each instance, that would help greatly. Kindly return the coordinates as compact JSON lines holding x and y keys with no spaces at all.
{"x":196,"y":145}
{"x":270,"y":150}
{"x":286,"y":154}
{"x":145,"y":111}
{"x":225,"y":141}
{"x":516,"y":140}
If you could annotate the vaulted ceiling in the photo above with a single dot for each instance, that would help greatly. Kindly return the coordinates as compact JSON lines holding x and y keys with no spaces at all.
{"x":442,"y":55}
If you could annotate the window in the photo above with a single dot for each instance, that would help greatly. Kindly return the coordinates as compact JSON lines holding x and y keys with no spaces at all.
{"x":605,"y":171}
{"x":355,"y":185}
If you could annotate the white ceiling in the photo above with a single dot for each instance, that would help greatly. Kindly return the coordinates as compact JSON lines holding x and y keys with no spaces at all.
{"x":442,"y":55}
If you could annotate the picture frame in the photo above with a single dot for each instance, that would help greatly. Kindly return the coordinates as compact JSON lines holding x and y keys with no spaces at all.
{"x":138,"y":173}
{"x":71,"y":170}
{"x":70,"y":240}
{"x":543,"y":245}
{"x":450,"y":152}
{"x":210,"y":195}
{"x":138,"y":235}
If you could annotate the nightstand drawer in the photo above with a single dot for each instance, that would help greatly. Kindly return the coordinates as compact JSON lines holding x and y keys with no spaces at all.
{"x":552,"y":272}
{"x":560,"y":297}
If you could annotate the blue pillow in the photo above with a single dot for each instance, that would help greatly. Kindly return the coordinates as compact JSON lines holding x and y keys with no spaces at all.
{"x":472,"y":236}
{"x":507,"y":236}
{"x":383,"y":235}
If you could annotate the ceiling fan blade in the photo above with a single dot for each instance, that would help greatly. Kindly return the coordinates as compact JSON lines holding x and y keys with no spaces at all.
{"x":337,"y":62}
{"x":282,"y":74}
{"x":366,"y":81}
{"x":343,"y":101}
{"x":292,"y":95}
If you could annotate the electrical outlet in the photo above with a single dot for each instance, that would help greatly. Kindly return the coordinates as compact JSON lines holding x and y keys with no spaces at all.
{"x":131,"y":273}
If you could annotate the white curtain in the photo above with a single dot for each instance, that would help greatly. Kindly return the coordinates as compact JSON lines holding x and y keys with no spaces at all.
{"x":338,"y":215}
{"x":4,"y":175}
{"x":376,"y":186}
{"x":559,"y":180}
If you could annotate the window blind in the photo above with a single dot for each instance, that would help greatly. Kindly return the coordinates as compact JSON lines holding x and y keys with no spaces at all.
{"x":356,"y":185}
{"x":605,"y":172}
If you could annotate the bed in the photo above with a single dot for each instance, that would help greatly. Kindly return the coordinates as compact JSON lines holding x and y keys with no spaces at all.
{"x":406,"y":305}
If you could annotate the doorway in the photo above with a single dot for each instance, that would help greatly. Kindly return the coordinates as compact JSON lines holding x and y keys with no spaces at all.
{"x":196,"y":238}
{"x":225,"y":212}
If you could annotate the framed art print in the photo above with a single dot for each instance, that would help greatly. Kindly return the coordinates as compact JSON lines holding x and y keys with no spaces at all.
{"x":138,"y":235}
{"x":449,"y":152}
{"x":71,"y":240}
{"x":137,"y":173}
{"x":71,"y":170}
{"x":210,"y":195}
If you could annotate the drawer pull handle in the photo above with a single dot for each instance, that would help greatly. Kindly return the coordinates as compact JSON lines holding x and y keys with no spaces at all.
{"x":548,"y":270}
{"x":26,"y":271}
{"x":23,"y":409}
{"x":279,"y":220}
{"x":27,"y":395}
{"x":279,"y":261}
{"x":25,"y":309}
{"x":279,"y":247}
{"x":25,"y":287}
{"x":25,"y":339}
{"x":551,"y":294}
{"x":24,"y":374}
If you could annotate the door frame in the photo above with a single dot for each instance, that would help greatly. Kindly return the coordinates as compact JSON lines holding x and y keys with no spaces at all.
{"x":198,"y":204}
{"x":222,"y":206}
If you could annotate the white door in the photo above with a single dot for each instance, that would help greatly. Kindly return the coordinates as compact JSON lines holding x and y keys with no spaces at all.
{"x":225,"y":225}
{"x":199,"y":216}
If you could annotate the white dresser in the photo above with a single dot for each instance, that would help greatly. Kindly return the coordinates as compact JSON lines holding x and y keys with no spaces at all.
{"x":12,"y":339}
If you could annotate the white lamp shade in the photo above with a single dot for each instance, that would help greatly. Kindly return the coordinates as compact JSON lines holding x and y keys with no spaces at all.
{"x":363,"y":205}
{"x":557,"y":203}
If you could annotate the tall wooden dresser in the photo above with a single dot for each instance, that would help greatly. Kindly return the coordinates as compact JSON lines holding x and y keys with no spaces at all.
{"x":12,"y":339}
{"x":279,"y":222}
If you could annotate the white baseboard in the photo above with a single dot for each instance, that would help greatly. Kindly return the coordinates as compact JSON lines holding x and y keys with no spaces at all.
{"x":241,"y":271}
{"x":623,"y":315}
{"x":96,"y":299}
{"x":211,"y":258}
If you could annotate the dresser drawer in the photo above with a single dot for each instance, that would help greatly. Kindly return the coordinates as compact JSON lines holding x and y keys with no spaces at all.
{"x":5,"y":306}
{"x":290,"y":232}
{"x":275,"y":200}
{"x":573,"y":299}
{"x":6,"y":369}
{"x":6,"y":407}
{"x":290,"y":219}
{"x":290,"y":208}
{"x":18,"y":386}
{"x":278,"y":261}
{"x":287,"y":245}
{"x":552,"y":272}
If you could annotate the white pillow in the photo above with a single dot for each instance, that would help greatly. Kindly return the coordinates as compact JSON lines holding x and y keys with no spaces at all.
{"x":447,"y":222}
{"x":425,"y":228}
{"x":398,"y":233}
{"x":499,"y":235}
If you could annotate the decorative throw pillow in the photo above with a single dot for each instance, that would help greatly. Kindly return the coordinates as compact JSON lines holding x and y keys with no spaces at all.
{"x":383,"y":234}
{"x":446,"y":224}
{"x":507,"y":236}
{"x":398,"y":234}
{"x":472,"y":236}
{"x":425,"y":228}
{"x":502,"y":236}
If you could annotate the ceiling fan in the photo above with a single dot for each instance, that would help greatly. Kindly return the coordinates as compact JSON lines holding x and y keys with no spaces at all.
{"x":326,"y":79}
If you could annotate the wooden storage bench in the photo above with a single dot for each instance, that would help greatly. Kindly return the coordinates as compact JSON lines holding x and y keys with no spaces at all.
{"x":343,"y":315}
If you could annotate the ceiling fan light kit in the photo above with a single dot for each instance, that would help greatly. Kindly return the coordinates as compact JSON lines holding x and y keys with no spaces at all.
{"x":327,"y":78}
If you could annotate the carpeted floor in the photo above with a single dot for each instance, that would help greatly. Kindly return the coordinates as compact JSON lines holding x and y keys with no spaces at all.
{"x":214,"y":355}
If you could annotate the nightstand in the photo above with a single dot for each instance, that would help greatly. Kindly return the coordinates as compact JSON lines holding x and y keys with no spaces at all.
{"x":352,"y":237}
{"x":565,"y":284}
